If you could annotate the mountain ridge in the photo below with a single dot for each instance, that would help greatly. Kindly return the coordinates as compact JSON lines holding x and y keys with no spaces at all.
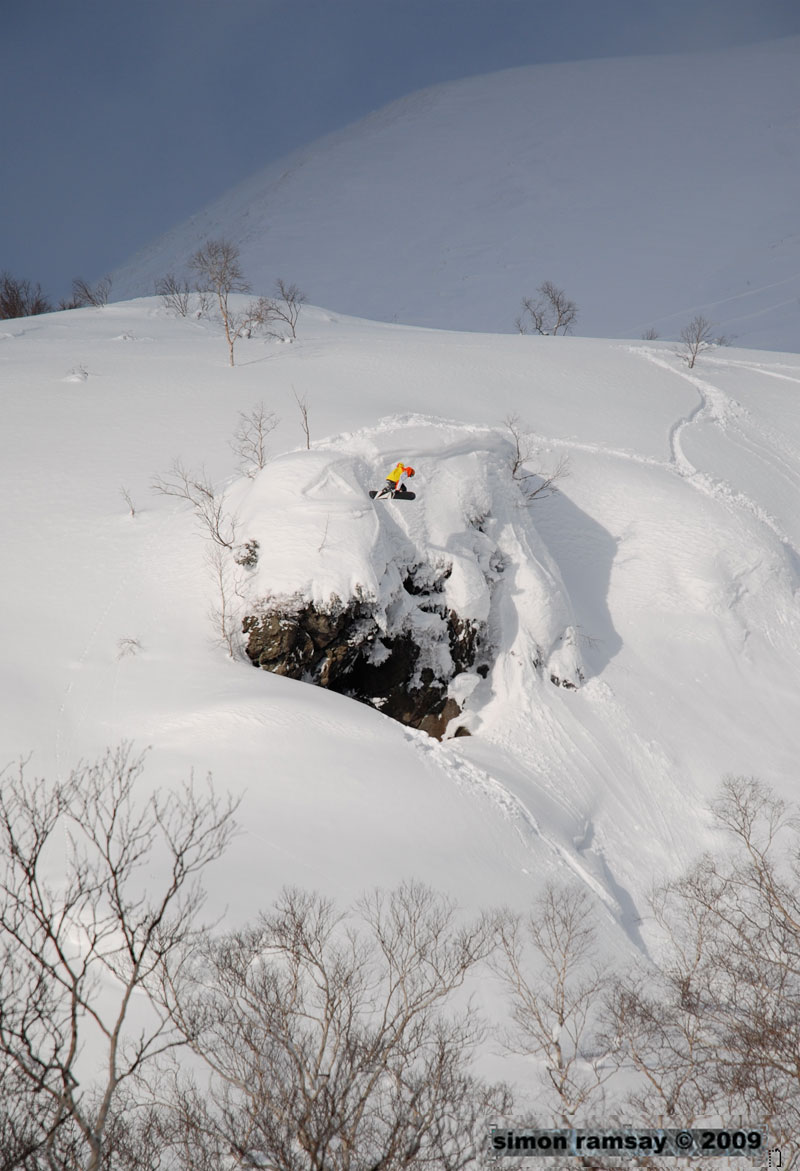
{"x":649,"y":188}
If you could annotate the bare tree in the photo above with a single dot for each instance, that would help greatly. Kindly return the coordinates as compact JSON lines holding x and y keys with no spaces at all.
{"x":286,"y":305}
{"x":650,"y":334}
{"x":523,"y":449}
{"x":655,"y":1018}
{"x":126,"y":496}
{"x":209,"y":508}
{"x":303,"y":406}
{"x":695,"y":337}
{"x":551,"y":313}
{"x":331,"y":1040}
{"x":249,"y":441}
{"x":225,"y":613}
{"x":290,"y":300}
{"x":19,"y":298}
{"x":174,"y":293}
{"x":79,"y":956}
{"x":218,"y":269}
{"x":555,"y":997}
{"x":84,"y":294}
{"x":720,"y":1036}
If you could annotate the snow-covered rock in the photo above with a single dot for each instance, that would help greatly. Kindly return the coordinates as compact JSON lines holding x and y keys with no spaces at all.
{"x":393,"y":601}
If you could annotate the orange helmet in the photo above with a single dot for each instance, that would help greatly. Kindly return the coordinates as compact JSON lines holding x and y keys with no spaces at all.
{"x":409,"y":471}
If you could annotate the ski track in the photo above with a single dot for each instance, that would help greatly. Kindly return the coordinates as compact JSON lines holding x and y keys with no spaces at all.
{"x":692,"y":309}
{"x":714,"y":405}
{"x":719,"y":408}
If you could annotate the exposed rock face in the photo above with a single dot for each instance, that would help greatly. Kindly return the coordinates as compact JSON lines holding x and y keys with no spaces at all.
{"x":345,"y":649}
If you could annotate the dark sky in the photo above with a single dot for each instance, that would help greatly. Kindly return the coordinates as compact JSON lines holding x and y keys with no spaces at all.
{"x":121,"y":119}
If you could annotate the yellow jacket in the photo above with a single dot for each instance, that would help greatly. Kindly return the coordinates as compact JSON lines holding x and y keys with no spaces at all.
{"x":396,"y":473}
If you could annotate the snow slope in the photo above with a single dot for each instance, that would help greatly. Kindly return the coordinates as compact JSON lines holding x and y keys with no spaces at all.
{"x":649,"y":188}
{"x":671,"y":555}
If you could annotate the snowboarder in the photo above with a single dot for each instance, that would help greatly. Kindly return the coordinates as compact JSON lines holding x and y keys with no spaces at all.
{"x":393,"y":485}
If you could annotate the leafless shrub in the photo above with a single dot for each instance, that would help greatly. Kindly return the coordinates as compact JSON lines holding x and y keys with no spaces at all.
{"x":84,"y":294}
{"x":175,"y":294}
{"x":197,"y":489}
{"x":289,"y":301}
{"x":249,"y":441}
{"x":225,"y":612}
{"x":78,"y":954}
{"x":128,"y":646}
{"x":695,"y":338}
{"x":204,"y":300}
{"x":555,"y":997}
{"x":722,"y":1034}
{"x":331,"y":1041}
{"x":650,"y":334}
{"x":126,"y":496}
{"x":284,"y":306}
{"x":302,"y":403}
{"x":551,"y":313}
{"x":19,"y":298}
{"x":534,"y":485}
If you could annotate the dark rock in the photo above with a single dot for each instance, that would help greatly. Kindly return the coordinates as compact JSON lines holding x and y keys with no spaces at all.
{"x":323,"y":627}
{"x":435,"y":723}
{"x":336,"y":649}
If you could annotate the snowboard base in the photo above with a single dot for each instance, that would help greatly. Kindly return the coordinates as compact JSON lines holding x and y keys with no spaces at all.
{"x":395,"y":495}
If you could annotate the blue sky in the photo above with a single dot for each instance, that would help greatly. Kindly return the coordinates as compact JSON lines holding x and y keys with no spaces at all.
{"x":120,"y":119}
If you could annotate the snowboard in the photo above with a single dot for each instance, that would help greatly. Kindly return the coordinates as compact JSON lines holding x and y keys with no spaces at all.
{"x":395,"y":495}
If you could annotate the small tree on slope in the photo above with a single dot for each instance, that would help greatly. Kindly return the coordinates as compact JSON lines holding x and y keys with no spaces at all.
{"x":331,"y":1041}
{"x":81,"y":955}
{"x":551,"y":313}
{"x":217,"y":267}
{"x":695,"y":338}
{"x":720,"y":1033}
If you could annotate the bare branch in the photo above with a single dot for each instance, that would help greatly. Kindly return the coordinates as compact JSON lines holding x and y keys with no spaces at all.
{"x":249,"y":441}
{"x":84,"y":294}
{"x":555,"y":999}
{"x":126,"y":496}
{"x":696,"y":337}
{"x":175,"y":294}
{"x":218,"y":270}
{"x":533,"y":485}
{"x":19,"y":298}
{"x":330,"y":1039}
{"x":76,"y":955}
{"x":200,"y":493}
{"x":551,"y":313}
{"x":303,"y":406}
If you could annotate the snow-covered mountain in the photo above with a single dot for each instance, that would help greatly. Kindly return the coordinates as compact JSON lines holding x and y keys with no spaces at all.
{"x":662,"y":580}
{"x":649,"y":188}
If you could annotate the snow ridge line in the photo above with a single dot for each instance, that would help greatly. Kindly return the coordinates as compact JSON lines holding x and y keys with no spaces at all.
{"x":471,"y":779}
